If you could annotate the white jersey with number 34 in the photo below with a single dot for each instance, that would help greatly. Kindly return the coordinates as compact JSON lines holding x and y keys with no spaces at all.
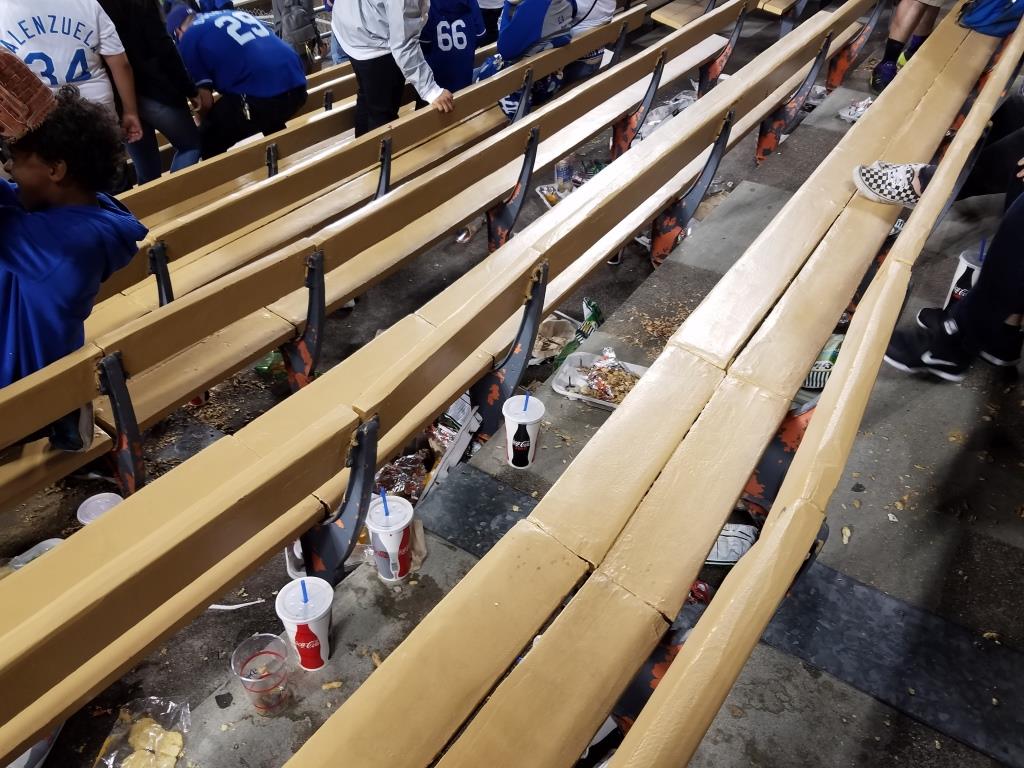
{"x":63,"y":42}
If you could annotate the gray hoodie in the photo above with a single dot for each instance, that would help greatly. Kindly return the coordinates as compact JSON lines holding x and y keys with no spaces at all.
{"x":368,"y":29}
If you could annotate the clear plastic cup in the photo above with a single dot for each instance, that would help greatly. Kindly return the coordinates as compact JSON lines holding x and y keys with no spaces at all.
{"x":261,"y":664}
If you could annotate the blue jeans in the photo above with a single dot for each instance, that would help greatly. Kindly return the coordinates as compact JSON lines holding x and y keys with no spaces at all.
{"x":338,"y":54}
{"x":177,"y":125}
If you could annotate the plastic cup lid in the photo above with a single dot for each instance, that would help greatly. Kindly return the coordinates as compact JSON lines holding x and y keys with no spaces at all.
{"x":289,"y":600}
{"x":94,"y":507}
{"x":400,"y":514}
{"x":513,"y":410}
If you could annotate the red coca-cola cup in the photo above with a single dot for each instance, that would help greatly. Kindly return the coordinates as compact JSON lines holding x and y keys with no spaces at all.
{"x":304,"y":607}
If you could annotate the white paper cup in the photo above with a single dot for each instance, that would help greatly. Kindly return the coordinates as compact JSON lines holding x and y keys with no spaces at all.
{"x":522,"y":430}
{"x":308,"y":625}
{"x":391,"y":537}
{"x":95,"y":506}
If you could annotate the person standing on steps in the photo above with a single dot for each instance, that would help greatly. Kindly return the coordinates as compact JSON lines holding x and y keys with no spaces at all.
{"x":911,"y":23}
{"x":382,"y":40}
{"x":162,"y":85}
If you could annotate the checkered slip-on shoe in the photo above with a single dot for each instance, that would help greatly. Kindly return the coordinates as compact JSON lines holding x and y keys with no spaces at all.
{"x":888,"y":183}
{"x":25,"y":101}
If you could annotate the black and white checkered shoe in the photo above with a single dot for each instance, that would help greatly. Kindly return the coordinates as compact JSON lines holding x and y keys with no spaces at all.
{"x":888,"y":183}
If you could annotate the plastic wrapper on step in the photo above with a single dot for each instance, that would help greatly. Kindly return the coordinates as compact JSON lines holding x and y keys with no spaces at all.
{"x":441,"y":437}
{"x":405,"y":476}
{"x":822,"y":367}
{"x":733,"y":543}
{"x":665,"y":112}
{"x":592,"y":318}
{"x":148,"y":733}
{"x":608,"y":379}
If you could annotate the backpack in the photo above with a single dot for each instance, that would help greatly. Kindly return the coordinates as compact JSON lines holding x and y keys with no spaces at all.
{"x":997,"y":18}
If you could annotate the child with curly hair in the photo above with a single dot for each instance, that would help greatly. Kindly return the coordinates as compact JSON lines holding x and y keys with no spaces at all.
{"x":61,"y":236}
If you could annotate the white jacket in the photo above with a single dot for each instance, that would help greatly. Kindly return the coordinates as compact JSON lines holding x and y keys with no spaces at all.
{"x":368,"y":29}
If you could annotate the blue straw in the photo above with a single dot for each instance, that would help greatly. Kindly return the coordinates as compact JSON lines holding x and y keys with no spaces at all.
{"x":526,"y":400}
{"x":981,"y":252}
{"x":384,"y":498}
{"x":305,"y":594}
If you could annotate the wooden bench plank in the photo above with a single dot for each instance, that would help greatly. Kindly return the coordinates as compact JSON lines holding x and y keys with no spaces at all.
{"x":160,"y":389}
{"x":676,"y":719}
{"x":678,"y":13}
{"x":25,"y":469}
{"x":480,"y":609}
{"x":507,"y":727}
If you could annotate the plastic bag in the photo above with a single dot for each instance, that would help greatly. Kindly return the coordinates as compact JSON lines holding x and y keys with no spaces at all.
{"x":608,"y":379}
{"x":149,"y":733}
{"x":405,"y":477}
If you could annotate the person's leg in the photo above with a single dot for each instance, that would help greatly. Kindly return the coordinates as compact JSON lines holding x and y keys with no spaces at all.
{"x":921,"y":31}
{"x":582,"y":68}
{"x":381,"y":85}
{"x":998,"y":296}
{"x":905,"y":18}
{"x":224,"y":125}
{"x":987,"y":320}
{"x":177,"y":125}
{"x":270,"y":115}
{"x":491,"y":18}
{"x":145,"y":155}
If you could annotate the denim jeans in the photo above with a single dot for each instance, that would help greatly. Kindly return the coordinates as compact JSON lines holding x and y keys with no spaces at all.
{"x":177,"y":125}
{"x":338,"y":54}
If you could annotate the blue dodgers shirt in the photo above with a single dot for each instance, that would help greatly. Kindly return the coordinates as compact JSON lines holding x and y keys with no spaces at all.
{"x":233,"y":52}
{"x":51,"y":265}
{"x":449,"y":40}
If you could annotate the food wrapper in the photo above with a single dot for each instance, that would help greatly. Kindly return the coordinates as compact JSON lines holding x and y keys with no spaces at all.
{"x":607,"y":379}
{"x":405,"y":476}
{"x":149,"y":733}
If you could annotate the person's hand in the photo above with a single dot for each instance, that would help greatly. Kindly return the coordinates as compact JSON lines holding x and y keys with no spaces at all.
{"x":131,"y":126}
{"x":1020,"y":164}
{"x":445,"y":102}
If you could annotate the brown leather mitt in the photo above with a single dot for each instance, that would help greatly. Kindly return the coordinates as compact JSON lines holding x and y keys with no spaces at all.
{"x":25,"y":101}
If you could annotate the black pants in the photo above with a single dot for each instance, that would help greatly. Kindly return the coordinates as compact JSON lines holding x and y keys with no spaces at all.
{"x":996,"y":169}
{"x":999,"y":291}
{"x":226,"y":123}
{"x":491,"y":18}
{"x":381,"y":85}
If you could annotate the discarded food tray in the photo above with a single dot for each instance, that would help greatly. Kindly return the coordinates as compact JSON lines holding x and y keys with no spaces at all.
{"x":569,"y":373}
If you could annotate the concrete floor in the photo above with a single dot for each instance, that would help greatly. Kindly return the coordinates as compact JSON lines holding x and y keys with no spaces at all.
{"x":944,"y":459}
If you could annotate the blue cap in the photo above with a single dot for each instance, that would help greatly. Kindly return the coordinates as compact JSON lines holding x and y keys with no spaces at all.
{"x":176,"y":17}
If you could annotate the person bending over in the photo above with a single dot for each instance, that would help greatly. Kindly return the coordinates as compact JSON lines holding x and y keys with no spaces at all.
{"x":259,"y":77}
{"x":61,"y":236}
{"x":382,"y":40}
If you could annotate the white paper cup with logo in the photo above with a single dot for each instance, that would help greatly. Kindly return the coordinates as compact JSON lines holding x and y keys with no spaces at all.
{"x":307,"y":624}
{"x":391,"y":537}
{"x":522,"y":429}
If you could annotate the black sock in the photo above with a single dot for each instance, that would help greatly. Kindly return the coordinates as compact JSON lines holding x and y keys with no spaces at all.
{"x":893,"y":49}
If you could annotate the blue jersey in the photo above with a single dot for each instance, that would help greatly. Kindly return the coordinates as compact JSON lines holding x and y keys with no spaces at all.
{"x":232,"y":52}
{"x":51,"y":265}
{"x":449,"y":41}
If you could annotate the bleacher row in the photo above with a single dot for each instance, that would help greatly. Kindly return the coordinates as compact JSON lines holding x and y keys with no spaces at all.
{"x":599,"y":570}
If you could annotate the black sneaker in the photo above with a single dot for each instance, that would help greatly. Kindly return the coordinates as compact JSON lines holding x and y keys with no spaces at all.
{"x":938,"y":352}
{"x":1002,"y":350}
{"x":73,"y":432}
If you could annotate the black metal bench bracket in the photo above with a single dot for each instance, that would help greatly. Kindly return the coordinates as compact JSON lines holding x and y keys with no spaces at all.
{"x":302,"y":355}
{"x":842,"y":62}
{"x":158,"y":268}
{"x":502,"y":217}
{"x":710,"y":71}
{"x":526,"y":101}
{"x":271,"y":160}
{"x":131,"y":471}
{"x":782,"y":120}
{"x":626,"y":129}
{"x":384,"y":182}
{"x":328,"y":100}
{"x":670,"y":225}
{"x":327,"y":546}
{"x":490,"y":393}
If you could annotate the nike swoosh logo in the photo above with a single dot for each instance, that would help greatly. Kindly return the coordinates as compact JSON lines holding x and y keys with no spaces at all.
{"x":929,"y":359}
